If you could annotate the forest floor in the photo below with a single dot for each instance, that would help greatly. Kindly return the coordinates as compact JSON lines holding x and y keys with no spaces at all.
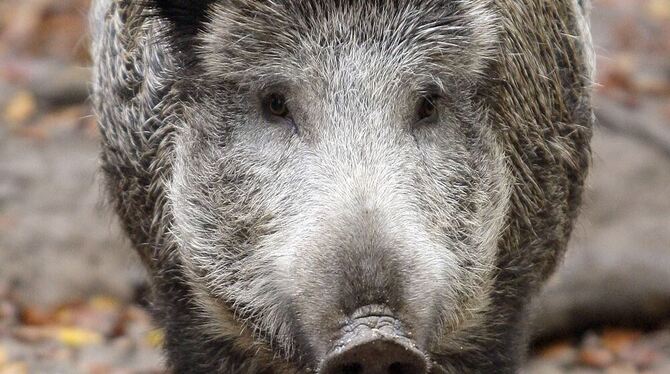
{"x":102,"y":335}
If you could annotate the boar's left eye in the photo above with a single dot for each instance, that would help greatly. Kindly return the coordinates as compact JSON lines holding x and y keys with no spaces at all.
{"x":426,"y":109}
{"x":275,"y":109}
{"x":276,"y":105}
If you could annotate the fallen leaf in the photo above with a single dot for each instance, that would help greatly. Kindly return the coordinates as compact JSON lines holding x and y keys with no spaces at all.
{"x":76,"y":337}
{"x":4,"y":357}
{"x":20,"y":108}
{"x":35,"y":317}
{"x":653,"y":86}
{"x":14,"y":368}
{"x":560,"y":352}
{"x":104,"y":303}
{"x":618,"y":340}
{"x":99,"y":315}
{"x":155,"y":338}
{"x":659,"y":9}
{"x":596,"y":357}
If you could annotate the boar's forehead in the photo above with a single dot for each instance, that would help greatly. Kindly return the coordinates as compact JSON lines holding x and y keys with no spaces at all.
{"x":301,"y":40}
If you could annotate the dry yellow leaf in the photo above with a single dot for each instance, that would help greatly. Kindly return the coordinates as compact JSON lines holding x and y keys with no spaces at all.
{"x":618,"y":340}
{"x":20,"y":108}
{"x":659,"y":9}
{"x":155,"y":338}
{"x":3,"y":356}
{"x":104,"y":303}
{"x":64,"y":316}
{"x":76,"y":337}
{"x":14,"y":368}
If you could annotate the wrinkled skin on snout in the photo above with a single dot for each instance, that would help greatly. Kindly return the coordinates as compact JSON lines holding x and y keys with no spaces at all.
{"x":338,"y":187}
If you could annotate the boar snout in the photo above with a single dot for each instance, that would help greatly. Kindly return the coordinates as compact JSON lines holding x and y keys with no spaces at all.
{"x":374,"y":342}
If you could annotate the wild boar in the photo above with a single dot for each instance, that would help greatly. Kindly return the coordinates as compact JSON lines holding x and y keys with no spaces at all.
{"x":344,"y":186}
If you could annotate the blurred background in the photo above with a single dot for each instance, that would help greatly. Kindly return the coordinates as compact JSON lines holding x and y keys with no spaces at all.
{"x":72,"y":291}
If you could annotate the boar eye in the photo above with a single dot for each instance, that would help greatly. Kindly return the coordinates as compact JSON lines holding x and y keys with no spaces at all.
{"x":276,"y":105}
{"x":426,"y":109}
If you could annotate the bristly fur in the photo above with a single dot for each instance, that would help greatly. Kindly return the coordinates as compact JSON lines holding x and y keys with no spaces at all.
{"x":186,"y":17}
{"x":262,"y":235}
{"x":183,"y":19}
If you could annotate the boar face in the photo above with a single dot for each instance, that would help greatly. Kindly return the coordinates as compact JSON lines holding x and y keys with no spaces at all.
{"x":344,"y":186}
{"x":334,"y":163}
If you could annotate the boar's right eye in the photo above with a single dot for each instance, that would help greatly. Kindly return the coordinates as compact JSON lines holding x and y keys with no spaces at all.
{"x":426,"y":110}
{"x":275,"y":109}
{"x":275,"y":105}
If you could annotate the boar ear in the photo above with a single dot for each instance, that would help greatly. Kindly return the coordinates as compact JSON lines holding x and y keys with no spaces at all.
{"x":186,"y":17}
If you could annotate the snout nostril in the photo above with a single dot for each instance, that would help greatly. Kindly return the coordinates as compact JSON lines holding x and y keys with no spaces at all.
{"x":394,"y":368}
{"x":352,"y":369}
{"x":376,"y":356}
{"x":400,"y":368}
{"x":374,"y":344}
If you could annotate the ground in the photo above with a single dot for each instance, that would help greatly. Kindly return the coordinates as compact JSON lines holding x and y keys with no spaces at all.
{"x":71,"y":289}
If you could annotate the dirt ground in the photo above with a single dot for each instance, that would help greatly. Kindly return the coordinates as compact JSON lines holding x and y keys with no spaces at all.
{"x":69,"y":283}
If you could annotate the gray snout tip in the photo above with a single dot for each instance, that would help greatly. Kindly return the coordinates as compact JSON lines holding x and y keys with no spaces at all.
{"x":369,"y":350}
